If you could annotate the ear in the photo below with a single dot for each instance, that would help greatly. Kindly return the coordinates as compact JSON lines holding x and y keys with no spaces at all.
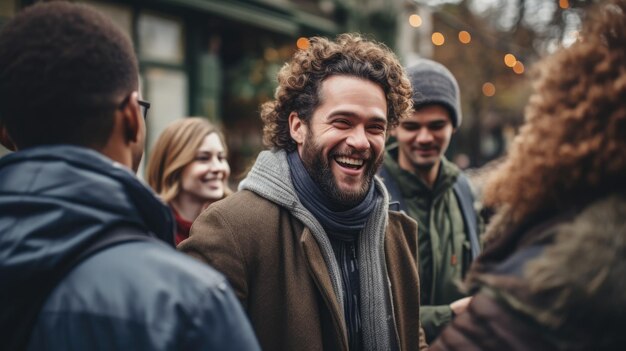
{"x":5,"y":139}
{"x":131,"y":119}
{"x":297,"y":128}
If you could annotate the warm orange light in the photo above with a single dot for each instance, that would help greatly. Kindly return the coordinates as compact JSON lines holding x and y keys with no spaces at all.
{"x":564,"y":4}
{"x":509,"y":60}
{"x":519,"y":67}
{"x":303,"y":43}
{"x":271,"y":54}
{"x":489,"y":89}
{"x":438,"y":39}
{"x":415,"y":21}
{"x":465,"y":37}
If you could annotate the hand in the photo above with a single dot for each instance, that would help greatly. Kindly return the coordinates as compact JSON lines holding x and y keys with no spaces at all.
{"x":459,"y":306}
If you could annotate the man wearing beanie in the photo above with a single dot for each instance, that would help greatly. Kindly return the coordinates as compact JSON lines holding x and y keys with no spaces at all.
{"x":434,"y":192}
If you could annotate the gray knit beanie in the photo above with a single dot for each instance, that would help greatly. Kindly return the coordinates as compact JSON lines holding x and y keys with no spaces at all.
{"x":433,"y":83}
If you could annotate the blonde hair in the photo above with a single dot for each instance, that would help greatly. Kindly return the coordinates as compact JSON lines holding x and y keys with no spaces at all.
{"x":174,"y":149}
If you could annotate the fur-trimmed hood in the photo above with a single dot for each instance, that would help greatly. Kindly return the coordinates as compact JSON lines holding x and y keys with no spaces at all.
{"x":574,"y":284}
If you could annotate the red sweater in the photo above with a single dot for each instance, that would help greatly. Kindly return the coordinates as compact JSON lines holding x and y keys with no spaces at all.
{"x":182,"y":227}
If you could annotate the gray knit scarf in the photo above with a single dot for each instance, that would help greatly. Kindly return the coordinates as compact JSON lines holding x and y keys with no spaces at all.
{"x":270,"y":178}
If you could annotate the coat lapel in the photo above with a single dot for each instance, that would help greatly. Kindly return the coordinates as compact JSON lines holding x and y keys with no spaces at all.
{"x":401,"y":254}
{"x":319,"y":272}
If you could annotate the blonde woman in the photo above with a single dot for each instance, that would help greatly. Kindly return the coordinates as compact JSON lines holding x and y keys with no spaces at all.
{"x":189,"y":170}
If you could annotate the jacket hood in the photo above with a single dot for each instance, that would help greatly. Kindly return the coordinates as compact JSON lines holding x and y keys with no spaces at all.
{"x":55,"y":201}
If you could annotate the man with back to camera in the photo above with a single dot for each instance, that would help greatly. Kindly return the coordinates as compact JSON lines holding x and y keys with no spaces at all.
{"x":434,"y":192}
{"x":308,"y":243}
{"x":86,"y":256}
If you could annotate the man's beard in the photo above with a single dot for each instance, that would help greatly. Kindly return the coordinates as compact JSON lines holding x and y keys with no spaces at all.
{"x":318,"y":167}
{"x":424,"y":166}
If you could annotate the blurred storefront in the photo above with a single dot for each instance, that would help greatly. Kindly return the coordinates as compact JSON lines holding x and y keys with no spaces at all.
{"x":212,"y":58}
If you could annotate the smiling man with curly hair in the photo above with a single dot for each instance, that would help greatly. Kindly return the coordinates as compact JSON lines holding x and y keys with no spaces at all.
{"x":308,"y":242}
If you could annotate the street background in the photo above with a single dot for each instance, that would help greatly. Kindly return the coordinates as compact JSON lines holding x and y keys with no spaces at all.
{"x":219,"y":58}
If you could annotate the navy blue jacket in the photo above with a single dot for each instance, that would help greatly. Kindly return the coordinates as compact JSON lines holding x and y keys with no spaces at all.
{"x":55,"y":202}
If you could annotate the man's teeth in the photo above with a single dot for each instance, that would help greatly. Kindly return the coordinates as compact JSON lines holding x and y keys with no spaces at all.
{"x":349,"y":161}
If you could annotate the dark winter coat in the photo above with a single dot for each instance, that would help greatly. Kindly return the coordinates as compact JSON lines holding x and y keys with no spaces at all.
{"x":554,"y":283}
{"x":139,"y":295}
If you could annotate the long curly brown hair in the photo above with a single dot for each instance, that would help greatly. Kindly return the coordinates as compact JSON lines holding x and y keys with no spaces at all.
{"x":572,"y":147}
{"x":299,"y":82}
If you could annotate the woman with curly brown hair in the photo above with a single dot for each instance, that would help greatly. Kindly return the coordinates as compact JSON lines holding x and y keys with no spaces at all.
{"x":552,"y":275}
{"x":189,"y":170}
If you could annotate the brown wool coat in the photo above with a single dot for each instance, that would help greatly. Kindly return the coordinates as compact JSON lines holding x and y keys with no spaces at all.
{"x":278,"y":272}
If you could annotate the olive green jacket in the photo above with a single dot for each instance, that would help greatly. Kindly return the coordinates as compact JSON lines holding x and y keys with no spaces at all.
{"x":444,"y":248}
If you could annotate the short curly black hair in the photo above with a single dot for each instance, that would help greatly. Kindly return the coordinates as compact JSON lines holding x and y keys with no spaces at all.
{"x":64,"y":69}
{"x":300,"y":81}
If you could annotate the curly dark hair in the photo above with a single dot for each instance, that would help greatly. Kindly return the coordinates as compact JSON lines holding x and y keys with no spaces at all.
{"x":64,"y":68}
{"x":572,"y":147}
{"x":300,"y":80}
